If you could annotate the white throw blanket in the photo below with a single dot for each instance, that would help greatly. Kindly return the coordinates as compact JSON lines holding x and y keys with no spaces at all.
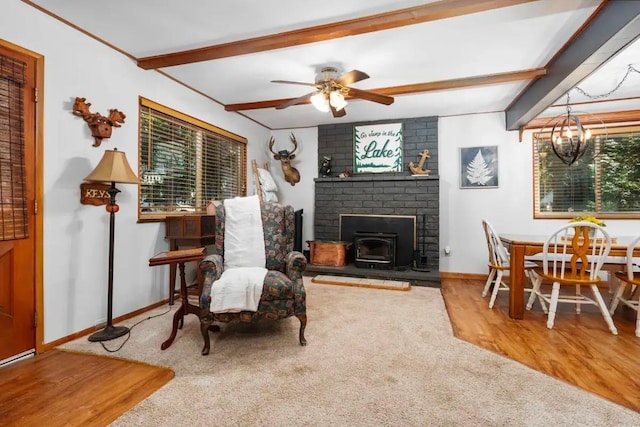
{"x":238,"y":289}
{"x":240,"y":286}
{"x":243,"y":236}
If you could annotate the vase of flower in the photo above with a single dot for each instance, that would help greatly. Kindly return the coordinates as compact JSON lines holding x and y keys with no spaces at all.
{"x":591,"y":219}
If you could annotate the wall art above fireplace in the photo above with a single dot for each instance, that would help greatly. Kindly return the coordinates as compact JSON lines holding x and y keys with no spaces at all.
{"x":377,"y":148}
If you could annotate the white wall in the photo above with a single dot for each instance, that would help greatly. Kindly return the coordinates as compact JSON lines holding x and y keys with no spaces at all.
{"x":301,"y":195}
{"x":75,"y":235}
{"x":508,"y":208}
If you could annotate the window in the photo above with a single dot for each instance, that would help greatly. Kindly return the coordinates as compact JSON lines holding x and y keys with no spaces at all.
{"x":607,"y":184}
{"x":14,"y":221}
{"x":185,"y":162}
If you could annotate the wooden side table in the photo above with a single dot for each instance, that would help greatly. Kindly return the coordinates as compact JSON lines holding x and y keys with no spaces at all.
{"x":179,"y":258}
{"x":189,"y":231}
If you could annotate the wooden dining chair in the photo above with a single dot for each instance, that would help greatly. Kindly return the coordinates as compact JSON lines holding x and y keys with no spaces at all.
{"x":498,"y":264}
{"x":573,"y":255}
{"x":630,"y":276}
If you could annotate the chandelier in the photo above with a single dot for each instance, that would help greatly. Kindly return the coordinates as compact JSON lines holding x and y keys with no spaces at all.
{"x":570,"y":140}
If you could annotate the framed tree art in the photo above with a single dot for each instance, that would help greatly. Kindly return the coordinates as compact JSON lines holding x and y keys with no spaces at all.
{"x":479,"y":167}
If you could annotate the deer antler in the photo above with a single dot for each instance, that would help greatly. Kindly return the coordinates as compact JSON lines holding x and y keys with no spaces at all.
{"x":295,"y":143}
{"x":271,"y":142}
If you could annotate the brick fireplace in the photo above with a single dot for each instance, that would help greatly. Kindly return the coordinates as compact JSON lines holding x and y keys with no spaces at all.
{"x":392,"y":194}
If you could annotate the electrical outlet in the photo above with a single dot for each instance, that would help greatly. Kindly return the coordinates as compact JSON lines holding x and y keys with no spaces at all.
{"x":447,"y":250}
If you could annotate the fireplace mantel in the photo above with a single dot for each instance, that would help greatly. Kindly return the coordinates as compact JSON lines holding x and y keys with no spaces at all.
{"x":385,"y":177}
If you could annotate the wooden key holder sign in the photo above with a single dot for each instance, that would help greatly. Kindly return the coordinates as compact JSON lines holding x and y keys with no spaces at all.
{"x":94,"y":193}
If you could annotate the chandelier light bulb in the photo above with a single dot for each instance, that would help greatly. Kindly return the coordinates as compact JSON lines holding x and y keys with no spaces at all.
{"x":336,"y":98}
{"x":319,"y":100}
{"x":587,"y":134}
{"x":569,"y":133}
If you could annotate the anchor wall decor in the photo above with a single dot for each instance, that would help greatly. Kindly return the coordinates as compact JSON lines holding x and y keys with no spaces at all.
{"x":418,"y":170}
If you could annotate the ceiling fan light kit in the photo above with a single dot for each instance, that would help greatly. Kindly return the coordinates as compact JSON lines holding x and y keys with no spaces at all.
{"x":331,"y":91}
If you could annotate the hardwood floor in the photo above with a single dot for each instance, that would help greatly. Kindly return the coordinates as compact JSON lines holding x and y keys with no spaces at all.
{"x":579,"y":349}
{"x":61,"y":388}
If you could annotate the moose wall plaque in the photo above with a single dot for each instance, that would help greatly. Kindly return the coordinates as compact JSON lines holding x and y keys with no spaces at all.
{"x":99,"y":125}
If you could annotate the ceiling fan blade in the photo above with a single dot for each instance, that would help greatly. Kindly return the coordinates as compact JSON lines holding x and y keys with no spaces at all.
{"x":299,"y":100}
{"x":370,"y":96}
{"x":294,"y":83}
{"x":337,"y":113}
{"x":351,"y":77}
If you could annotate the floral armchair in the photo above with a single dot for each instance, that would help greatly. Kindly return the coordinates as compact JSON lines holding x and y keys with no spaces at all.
{"x":283,"y":293}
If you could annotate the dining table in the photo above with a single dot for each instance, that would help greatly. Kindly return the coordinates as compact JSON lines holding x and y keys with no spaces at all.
{"x":523,"y":245}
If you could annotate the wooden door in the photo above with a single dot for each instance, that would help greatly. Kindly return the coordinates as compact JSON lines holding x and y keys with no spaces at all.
{"x":17,"y":202}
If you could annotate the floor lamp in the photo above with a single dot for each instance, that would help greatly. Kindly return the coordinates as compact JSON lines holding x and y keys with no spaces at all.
{"x":113,"y":168}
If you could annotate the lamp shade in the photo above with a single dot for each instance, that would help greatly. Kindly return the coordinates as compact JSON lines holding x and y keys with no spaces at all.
{"x":113,"y":167}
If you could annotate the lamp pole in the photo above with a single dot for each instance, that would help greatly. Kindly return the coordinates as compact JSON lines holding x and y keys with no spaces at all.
{"x":110,"y":332}
{"x":113,"y":167}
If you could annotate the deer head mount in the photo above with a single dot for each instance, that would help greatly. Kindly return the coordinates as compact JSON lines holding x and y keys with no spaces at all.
{"x":99,"y":125}
{"x":291,"y":174}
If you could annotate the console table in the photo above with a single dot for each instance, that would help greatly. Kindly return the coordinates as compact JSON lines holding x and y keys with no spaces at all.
{"x":189,"y":231}
{"x":179,"y":258}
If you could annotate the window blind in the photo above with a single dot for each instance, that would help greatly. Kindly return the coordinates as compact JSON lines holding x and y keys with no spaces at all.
{"x":13,"y":196}
{"x":185,"y":162}
{"x":605,"y":182}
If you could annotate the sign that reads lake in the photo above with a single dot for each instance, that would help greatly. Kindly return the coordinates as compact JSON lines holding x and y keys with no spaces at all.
{"x":377,"y":148}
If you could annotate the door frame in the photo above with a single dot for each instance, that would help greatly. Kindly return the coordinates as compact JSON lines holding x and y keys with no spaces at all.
{"x":39,"y":190}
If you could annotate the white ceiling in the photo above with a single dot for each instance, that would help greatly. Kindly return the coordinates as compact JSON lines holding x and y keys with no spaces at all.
{"x":518,"y":37}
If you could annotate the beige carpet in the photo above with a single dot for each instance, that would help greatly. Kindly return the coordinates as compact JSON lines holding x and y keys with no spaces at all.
{"x":374,"y":358}
{"x":362,"y":282}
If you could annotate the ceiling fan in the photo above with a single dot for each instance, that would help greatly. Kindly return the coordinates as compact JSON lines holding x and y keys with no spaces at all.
{"x":332,"y":89}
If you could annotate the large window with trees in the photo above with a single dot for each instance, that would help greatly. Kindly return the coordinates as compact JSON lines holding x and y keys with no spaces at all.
{"x":605,"y":182}
{"x":185,"y":163}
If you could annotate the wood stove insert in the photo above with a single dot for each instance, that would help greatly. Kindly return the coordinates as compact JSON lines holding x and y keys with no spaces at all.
{"x":402,"y":226}
{"x":375,"y":250}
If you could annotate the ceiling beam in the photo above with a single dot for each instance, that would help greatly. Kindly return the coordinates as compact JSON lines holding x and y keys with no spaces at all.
{"x":590,"y":119}
{"x":488,"y":79}
{"x":616,"y":25}
{"x":382,"y":21}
